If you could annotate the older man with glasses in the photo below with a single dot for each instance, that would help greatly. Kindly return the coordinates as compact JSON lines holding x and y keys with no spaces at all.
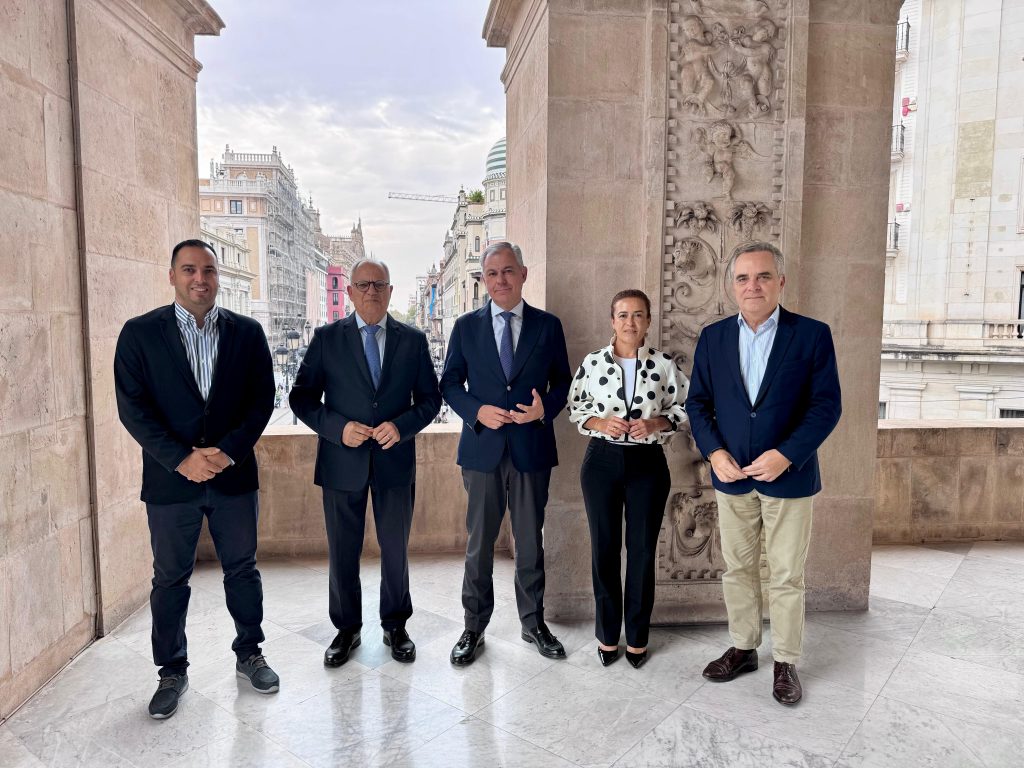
{"x":366,"y":387}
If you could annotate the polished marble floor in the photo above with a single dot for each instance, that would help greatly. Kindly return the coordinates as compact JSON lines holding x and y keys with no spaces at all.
{"x":931,"y":675}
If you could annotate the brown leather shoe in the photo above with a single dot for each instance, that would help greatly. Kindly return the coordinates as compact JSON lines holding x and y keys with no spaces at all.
{"x":732,"y":663}
{"x":787,"y":688}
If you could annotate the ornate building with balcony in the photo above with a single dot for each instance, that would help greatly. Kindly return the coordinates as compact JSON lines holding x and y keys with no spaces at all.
{"x":236,"y":273}
{"x":953,"y":338}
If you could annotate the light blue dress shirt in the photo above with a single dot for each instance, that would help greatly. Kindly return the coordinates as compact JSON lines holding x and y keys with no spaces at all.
{"x":381,"y":334}
{"x":755,"y":347}
{"x":498,"y":323}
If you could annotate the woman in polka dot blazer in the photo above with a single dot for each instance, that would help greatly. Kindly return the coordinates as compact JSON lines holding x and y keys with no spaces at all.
{"x":628,"y":398}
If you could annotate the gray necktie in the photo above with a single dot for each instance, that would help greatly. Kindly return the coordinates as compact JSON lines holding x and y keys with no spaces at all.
{"x":372,"y":352}
{"x":505,"y":352}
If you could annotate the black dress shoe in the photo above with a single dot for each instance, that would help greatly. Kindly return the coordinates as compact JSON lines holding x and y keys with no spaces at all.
{"x":786,"y":689}
{"x":341,"y":647}
{"x":546,"y":643}
{"x":637,"y":659}
{"x":465,"y":650}
{"x":607,"y":657}
{"x":403,"y":649}
{"x":732,"y":663}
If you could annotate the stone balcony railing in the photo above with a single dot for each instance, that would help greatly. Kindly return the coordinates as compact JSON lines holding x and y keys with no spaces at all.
{"x":237,"y":186}
{"x":961,"y":334}
{"x":935,"y":481}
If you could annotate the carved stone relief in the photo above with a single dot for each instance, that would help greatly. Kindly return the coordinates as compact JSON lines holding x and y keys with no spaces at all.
{"x":724,"y":187}
{"x":728,"y":66}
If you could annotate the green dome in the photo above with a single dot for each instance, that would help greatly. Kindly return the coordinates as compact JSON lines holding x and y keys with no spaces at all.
{"x":496,"y":160}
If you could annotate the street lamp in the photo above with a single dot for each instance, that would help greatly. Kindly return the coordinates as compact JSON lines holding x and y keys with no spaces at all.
{"x":287,"y":362}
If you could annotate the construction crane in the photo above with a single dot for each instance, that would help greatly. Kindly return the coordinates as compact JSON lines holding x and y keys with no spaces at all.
{"x":423,"y":198}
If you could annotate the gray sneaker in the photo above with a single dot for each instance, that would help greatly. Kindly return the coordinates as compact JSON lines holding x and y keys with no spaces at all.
{"x":256,"y":670}
{"x":165,"y":701}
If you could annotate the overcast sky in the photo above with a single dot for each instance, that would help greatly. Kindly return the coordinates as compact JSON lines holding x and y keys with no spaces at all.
{"x":360,"y":98}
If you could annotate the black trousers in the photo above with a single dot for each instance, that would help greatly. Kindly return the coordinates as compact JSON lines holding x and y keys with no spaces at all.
{"x":525,"y":494}
{"x":345,"y":515}
{"x":173,"y":533}
{"x":634,"y":478}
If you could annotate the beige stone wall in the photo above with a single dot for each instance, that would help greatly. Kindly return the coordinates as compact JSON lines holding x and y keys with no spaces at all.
{"x":132,"y":77}
{"x":47,"y":592}
{"x":939,"y":482}
{"x":137,"y":94}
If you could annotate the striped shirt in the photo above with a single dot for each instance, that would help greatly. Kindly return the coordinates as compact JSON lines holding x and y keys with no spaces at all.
{"x":200,"y":344}
{"x":755,"y":347}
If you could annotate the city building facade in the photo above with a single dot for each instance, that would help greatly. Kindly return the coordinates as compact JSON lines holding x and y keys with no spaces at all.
{"x":233,"y":264}
{"x":953,"y":340}
{"x":495,"y":187}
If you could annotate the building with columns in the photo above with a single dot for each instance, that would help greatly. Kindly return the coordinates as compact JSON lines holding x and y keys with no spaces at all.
{"x":233,"y":264}
{"x":495,"y":188}
{"x":953,"y":339}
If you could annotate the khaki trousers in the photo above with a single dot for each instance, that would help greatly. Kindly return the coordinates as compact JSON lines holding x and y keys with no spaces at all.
{"x":787,"y":533}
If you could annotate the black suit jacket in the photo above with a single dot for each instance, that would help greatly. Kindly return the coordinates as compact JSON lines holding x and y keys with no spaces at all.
{"x":159,"y":402}
{"x":335,"y":370}
{"x":473,"y":377}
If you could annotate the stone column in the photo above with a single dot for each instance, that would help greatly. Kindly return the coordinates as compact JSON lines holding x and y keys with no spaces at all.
{"x":646,"y":141}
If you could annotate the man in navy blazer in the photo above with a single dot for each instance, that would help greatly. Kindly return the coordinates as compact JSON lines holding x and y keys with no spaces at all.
{"x":367,"y":386}
{"x":507,"y":375}
{"x":764,"y":395}
{"x":195,"y":387}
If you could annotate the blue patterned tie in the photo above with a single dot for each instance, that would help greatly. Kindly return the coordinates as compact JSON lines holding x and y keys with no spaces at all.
{"x":372,"y":352}
{"x":505,"y":353}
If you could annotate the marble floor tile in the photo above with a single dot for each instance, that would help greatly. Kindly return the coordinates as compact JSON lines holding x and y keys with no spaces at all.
{"x":905,"y":586}
{"x":104,"y":672}
{"x":933,"y":562}
{"x":844,"y":657}
{"x":897,"y":734}
{"x":694,"y":739}
{"x":499,"y":668}
{"x":991,"y":573}
{"x":990,"y":643}
{"x":962,"y":689}
{"x":556,"y":709}
{"x":673,"y":668}
{"x":473,"y":743}
{"x":895,"y":623}
{"x":1009,"y":551}
{"x":371,"y":720}
{"x":821,"y":724}
{"x":980,"y":601}
{"x":300,"y":603}
{"x":299,"y":663}
{"x":246,"y":748}
{"x":120,"y":732}
{"x":14,"y":754}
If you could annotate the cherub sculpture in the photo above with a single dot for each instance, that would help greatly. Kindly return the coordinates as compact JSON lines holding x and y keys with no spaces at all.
{"x":745,"y":217}
{"x":696,"y":217}
{"x":758,"y":80}
{"x":721,"y":144}
{"x":695,"y":77}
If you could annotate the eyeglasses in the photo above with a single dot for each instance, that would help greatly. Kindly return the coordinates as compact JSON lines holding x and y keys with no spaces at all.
{"x":364,"y":285}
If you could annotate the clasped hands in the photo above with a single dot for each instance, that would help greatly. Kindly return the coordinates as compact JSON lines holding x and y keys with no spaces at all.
{"x":615,"y":427}
{"x":766,"y":467}
{"x":204,"y":464}
{"x":493,"y":417}
{"x":355,"y":434}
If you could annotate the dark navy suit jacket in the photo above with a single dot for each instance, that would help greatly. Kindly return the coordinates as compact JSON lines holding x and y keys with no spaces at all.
{"x":796,"y":408}
{"x":160,"y":405}
{"x":333,"y":386}
{"x":473,"y":377}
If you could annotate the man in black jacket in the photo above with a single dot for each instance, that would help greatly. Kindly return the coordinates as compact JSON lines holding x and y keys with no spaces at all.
{"x":366,"y":387}
{"x":195,"y":388}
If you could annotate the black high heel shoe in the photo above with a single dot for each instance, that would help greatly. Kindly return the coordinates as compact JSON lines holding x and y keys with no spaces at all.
{"x":637,"y":659}
{"x":607,"y":657}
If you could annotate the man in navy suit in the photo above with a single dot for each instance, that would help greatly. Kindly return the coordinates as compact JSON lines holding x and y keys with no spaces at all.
{"x":195,"y":388}
{"x":367,"y":386}
{"x":764,"y":395}
{"x":507,"y":375}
